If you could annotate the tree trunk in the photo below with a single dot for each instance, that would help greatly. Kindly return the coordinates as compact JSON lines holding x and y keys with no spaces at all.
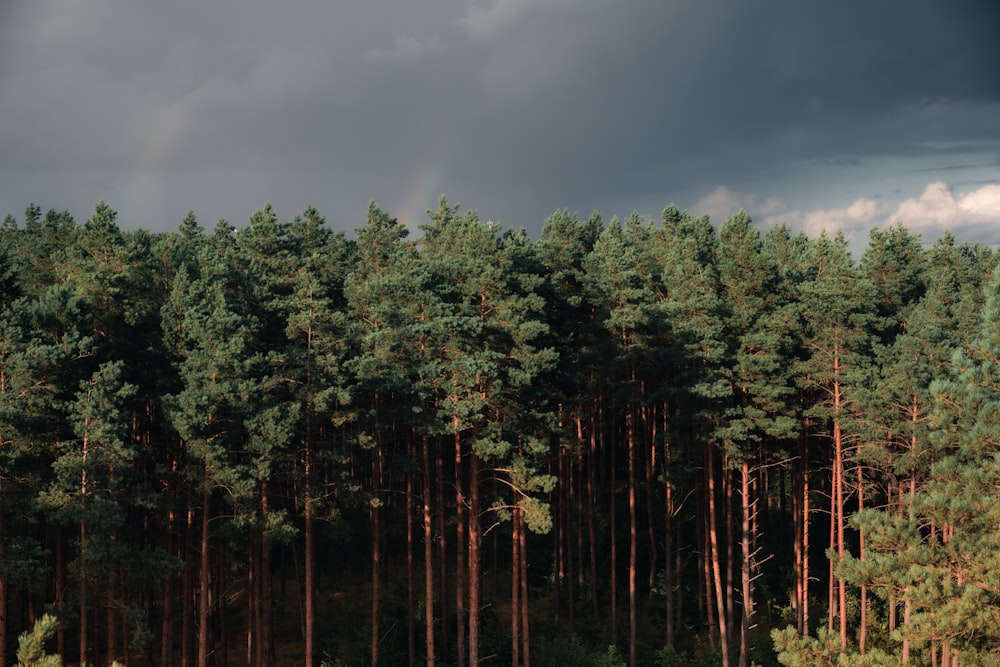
{"x":266,"y":606}
{"x":591,"y":519}
{"x":515,"y":588}
{"x":61,"y":589}
{"x":633,"y":539}
{"x":310,"y":558}
{"x":188,"y":592}
{"x":428,"y":556}
{"x":668,"y":546}
{"x":805,"y":534}
{"x":713,"y":536}
{"x":525,"y":628}
{"x":442,"y":547}
{"x":746,"y":564}
{"x":863,"y":630}
{"x":376,"y":519}
{"x":474,"y":583}
{"x":167,"y":626}
{"x":730,"y":545}
{"x":3,"y":594}
{"x":83,"y":594}
{"x":411,"y":603}
{"x":614,"y":548}
{"x":204,"y":576}
{"x":461,"y":554}
{"x":838,"y":444}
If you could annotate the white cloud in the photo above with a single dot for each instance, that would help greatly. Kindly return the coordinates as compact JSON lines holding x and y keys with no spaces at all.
{"x":406,"y":47}
{"x":939,"y":208}
{"x":722,"y":202}
{"x":859,"y":216}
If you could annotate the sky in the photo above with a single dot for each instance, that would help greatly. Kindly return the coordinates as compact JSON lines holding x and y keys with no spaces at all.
{"x":836,"y":115}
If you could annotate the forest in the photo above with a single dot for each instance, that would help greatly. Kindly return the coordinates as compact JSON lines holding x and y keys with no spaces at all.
{"x":629,"y":442}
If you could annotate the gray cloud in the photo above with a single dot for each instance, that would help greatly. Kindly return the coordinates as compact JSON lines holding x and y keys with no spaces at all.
{"x":514,"y":107}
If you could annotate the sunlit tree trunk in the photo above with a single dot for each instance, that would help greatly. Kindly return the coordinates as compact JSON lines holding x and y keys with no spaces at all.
{"x":713,"y":537}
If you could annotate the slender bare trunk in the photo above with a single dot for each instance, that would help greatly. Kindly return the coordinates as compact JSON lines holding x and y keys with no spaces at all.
{"x":525,"y":627}
{"x":461,"y":556}
{"x":515,"y":588}
{"x":266,"y":593}
{"x":730,"y":544}
{"x":310,"y":560}
{"x":805,"y":534}
{"x":411,"y":595}
{"x":475,"y":538}
{"x":167,"y":627}
{"x":633,"y":540}
{"x":591,"y":520}
{"x":668,"y":574}
{"x":713,"y":537}
{"x":187,"y":591}
{"x":442,"y":547}
{"x":863,"y":630}
{"x":61,"y":589}
{"x":838,"y":443}
{"x":429,"y":657}
{"x":746,"y":563}
{"x":614,"y":549}
{"x":204,"y":576}
{"x":376,"y":519}
{"x":3,"y":595}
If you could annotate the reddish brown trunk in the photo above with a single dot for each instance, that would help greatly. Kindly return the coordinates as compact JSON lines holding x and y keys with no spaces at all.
{"x":204,"y":577}
{"x":266,"y":606}
{"x":428,"y":557}
{"x":668,"y":574}
{"x":863,"y":630}
{"x":83,"y":594}
{"x":442,"y":541}
{"x":515,"y":588}
{"x":167,"y":626}
{"x":411,"y":602}
{"x":591,"y":520}
{"x":474,"y":583}
{"x":838,"y":445}
{"x":310,"y":564}
{"x":614,"y":550}
{"x":461,"y":555}
{"x":633,"y":541}
{"x":60,"y":589}
{"x":746,"y":563}
{"x":3,"y":602}
{"x":525,"y":628}
{"x":713,"y":537}
{"x":376,"y":518}
{"x":188,"y":592}
{"x":730,"y":544}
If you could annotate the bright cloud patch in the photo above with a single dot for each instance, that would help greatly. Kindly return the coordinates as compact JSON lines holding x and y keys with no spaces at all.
{"x":722,"y":202}
{"x":939,"y":208}
{"x":860,"y":215}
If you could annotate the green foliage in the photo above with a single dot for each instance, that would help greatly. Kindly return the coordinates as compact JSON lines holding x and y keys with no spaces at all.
{"x":273,"y":368}
{"x":31,"y":645}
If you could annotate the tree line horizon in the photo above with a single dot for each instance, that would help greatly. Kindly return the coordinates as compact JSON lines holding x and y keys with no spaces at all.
{"x":635,"y":441}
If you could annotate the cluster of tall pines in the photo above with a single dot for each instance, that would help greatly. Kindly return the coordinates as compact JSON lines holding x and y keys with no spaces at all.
{"x":624,"y":442}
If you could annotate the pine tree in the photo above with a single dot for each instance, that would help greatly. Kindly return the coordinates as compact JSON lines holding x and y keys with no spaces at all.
{"x":31,"y":646}
{"x":759,"y":344}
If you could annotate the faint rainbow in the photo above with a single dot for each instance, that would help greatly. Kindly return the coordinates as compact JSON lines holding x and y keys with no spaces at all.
{"x":420,"y":195}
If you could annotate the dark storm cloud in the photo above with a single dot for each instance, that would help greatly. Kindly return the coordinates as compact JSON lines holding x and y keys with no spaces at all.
{"x":514,"y":107}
